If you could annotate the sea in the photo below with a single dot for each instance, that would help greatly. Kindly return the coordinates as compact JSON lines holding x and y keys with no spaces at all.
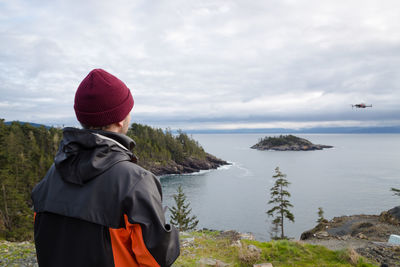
{"x":354,"y":177}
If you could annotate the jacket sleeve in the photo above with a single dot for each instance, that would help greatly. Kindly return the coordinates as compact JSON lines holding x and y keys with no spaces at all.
{"x":144,"y":210}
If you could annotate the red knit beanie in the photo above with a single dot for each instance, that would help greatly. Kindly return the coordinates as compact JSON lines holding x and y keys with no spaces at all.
{"x":102,"y":99}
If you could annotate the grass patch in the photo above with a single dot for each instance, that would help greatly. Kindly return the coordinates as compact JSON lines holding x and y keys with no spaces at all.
{"x":210,"y":245}
{"x":214,"y":245}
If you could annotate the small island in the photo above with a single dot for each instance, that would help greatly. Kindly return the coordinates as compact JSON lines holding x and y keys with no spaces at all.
{"x":287,"y":143}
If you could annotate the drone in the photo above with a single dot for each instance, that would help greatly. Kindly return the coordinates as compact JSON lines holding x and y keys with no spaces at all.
{"x":361,"y":105}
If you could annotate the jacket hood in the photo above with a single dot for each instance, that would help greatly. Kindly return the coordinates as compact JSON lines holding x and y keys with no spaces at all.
{"x":84,"y":154}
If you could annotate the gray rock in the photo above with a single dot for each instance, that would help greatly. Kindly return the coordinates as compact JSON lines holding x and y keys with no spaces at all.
{"x":344,"y":237}
{"x":307,"y":235}
{"x":237,"y":243}
{"x":248,"y":236}
{"x":212,"y":262}
{"x":395,"y":212}
{"x":362,"y":236}
{"x":322,"y":234}
{"x":185,"y":242}
{"x":182,"y":233}
{"x":207,"y":262}
{"x":253,"y":248}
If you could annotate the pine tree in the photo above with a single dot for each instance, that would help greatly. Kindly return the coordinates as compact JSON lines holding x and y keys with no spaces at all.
{"x":180,"y":214}
{"x":274,"y":230}
{"x":279,"y":197}
{"x":27,"y":152}
{"x":321,"y":218}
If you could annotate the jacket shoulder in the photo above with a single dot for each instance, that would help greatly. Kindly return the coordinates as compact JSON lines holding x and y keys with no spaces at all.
{"x":130,"y":173}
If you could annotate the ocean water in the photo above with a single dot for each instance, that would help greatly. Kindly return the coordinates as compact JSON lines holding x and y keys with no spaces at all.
{"x":354,"y":177}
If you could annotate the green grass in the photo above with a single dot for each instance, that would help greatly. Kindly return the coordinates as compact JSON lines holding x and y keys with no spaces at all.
{"x":211,"y":244}
{"x":279,"y":253}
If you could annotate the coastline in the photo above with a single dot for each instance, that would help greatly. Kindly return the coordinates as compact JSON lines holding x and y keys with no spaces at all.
{"x":187,"y":166}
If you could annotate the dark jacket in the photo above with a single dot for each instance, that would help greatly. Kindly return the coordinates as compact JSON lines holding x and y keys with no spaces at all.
{"x":95,"y":207}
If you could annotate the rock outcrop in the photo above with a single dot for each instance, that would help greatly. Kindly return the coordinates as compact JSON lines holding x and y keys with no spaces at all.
{"x":367,"y":234}
{"x":287,"y":143}
{"x":391,"y":216}
{"x":188,"y":165}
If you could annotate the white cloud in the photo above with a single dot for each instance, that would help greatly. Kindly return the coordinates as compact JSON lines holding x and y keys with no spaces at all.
{"x":197,"y":62}
{"x":7,"y":105}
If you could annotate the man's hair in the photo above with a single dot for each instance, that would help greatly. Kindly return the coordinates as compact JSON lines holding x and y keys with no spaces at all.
{"x":103,"y":128}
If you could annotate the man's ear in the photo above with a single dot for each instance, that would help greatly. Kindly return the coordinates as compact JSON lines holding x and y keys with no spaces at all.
{"x":120,"y":123}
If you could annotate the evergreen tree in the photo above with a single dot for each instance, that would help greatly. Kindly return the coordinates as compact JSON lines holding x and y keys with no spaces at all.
{"x":274,"y":230}
{"x":180,"y":214}
{"x":321,"y":218}
{"x":27,"y":152}
{"x":155,"y":147}
{"x":279,"y":197}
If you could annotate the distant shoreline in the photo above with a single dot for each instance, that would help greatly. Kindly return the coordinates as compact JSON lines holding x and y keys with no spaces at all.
{"x":314,"y":130}
{"x":335,"y":130}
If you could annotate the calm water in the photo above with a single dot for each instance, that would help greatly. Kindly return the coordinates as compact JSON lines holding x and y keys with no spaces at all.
{"x":352,"y":178}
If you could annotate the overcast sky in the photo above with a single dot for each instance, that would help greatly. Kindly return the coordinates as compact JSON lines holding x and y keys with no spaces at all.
{"x":206,"y":64}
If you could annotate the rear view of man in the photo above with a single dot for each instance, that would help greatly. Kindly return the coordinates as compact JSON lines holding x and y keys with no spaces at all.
{"x":95,"y":206}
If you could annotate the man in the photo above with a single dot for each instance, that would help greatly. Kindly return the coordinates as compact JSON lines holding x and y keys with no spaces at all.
{"x":95,"y":206}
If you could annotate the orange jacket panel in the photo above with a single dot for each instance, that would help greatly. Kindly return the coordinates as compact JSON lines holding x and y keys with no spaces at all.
{"x":129,"y":248}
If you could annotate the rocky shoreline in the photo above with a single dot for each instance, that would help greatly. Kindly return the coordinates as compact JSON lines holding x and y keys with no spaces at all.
{"x":292,"y":147}
{"x":189,"y":165}
{"x":366,"y":234}
{"x":287,"y":143}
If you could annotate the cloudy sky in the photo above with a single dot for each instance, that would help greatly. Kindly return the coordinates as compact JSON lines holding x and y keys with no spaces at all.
{"x":206,"y":64}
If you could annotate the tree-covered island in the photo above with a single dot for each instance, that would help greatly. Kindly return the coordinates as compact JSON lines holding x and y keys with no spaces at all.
{"x":287,"y":143}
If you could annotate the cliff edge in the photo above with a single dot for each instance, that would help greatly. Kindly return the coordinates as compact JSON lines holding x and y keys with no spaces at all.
{"x":367,"y":234}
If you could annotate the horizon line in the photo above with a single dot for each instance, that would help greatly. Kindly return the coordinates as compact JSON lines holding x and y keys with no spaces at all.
{"x":276,"y":130}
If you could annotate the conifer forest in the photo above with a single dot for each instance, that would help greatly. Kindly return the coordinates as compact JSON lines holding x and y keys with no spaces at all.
{"x":27,"y":152}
